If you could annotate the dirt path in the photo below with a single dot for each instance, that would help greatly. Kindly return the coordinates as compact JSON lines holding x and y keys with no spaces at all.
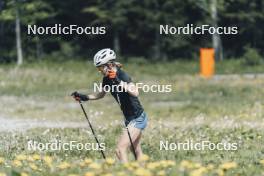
{"x":7,"y":124}
{"x":236,"y":76}
{"x":11,"y":125}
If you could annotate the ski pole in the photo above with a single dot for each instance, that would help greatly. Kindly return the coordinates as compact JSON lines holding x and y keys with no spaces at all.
{"x":86,"y":116}
{"x":129,"y":136}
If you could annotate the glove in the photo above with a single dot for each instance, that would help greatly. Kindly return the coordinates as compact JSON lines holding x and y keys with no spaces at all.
{"x":79,"y":97}
{"x":112,"y":75}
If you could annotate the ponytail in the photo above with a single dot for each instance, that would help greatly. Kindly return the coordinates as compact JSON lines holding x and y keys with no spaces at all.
{"x":118,"y":64}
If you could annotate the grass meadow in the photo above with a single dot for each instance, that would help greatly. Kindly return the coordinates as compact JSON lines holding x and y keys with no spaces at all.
{"x":36,"y":106}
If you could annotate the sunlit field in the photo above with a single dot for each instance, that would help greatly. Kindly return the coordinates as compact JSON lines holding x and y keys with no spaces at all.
{"x":36,"y":106}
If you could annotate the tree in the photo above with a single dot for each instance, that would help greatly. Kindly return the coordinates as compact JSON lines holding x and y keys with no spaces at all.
{"x":12,"y":13}
{"x":248,"y":16}
{"x":33,"y":13}
{"x":216,"y":40}
{"x":211,"y":8}
{"x":111,"y":13}
{"x":132,"y":27}
{"x":144,"y":20}
{"x":24,"y":12}
{"x":1,"y":4}
{"x":18,"y":37}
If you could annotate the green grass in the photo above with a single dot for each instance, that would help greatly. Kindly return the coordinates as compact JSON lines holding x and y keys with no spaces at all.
{"x":248,"y":155}
{"x":217,"y":109}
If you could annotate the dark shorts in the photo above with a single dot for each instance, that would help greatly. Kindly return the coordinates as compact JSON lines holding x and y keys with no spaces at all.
{"x":140,"y":122}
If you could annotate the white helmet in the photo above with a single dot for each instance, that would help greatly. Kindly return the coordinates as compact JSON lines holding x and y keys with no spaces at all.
{"x":103,"y":56}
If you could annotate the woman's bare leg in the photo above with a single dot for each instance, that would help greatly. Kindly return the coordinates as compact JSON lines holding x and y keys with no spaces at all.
{"x":122,"y":145}
{"x":137,"y":145}
{"x":124,"y":142}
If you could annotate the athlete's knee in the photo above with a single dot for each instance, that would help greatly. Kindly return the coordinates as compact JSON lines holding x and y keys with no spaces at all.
{"x":120,"y":150}
{"x":117,"y":151}
{"x":138,"y":149}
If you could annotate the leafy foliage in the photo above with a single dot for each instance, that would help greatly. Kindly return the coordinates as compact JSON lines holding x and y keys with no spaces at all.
{"x":132,"y":27}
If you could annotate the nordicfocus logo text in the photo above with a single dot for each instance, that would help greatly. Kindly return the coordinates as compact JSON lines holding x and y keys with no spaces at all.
{"x":190,"y":29}
{"x":59,"y":145}
{"x":156,"y":88}
{"x":59,"y":29}
{"x":203,"y":145}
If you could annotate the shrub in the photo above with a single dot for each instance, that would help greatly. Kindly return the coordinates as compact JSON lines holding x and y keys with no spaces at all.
{"x":252,"y":57}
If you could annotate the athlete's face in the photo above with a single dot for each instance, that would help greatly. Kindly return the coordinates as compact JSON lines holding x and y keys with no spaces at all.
{"x":103,"y":69}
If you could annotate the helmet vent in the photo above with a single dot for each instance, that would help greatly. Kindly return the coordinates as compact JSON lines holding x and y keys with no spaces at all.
{"x":103,"y":56}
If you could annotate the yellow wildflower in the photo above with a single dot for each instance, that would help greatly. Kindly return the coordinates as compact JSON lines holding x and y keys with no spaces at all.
{"x":64,"y":165}
{"x":228,"y":165}
{"x":197,"y":165}
{"x":108,"y":174}
{"x":142,"y":172}
{"x":163,"y":163}
{"x":198,"y":172}
{"x":82,"y":164}
{"x":167,"y":163}
{"x":210,"y":166}
{"x":17,"y":163}
{"x":144,"y":158}
{"x":95,"y":166}
{"x":220,"y":172}
{"x":88,"y":161}
{"x":2,"y":174}
{"x":153,"y":165}
{"x":134,"y":164}
{"x":186,"y":164}
{"x":48,"y":160}
{"x":2,"y":160}
{"x":126,"y":165}
{"x":89,"y":174}
{"x":30,"y":158}
{"x":110,"y":161}
{"x":23,"y":174}
{"x":161,"y":173}
{"x":130,"y":168}
{"x":33,"y":166}
{"x":170,"y":162}
{"x":21,"y":157}
{"x":121,"y":173}
{"x":36,"y":157}
{"x":261,"y":161}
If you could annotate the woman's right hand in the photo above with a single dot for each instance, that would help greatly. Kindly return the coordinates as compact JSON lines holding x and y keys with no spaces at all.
{"x":80,"y":97}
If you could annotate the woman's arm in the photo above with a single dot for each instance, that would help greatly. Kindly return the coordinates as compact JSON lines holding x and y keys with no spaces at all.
{"x":96,"y":96}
